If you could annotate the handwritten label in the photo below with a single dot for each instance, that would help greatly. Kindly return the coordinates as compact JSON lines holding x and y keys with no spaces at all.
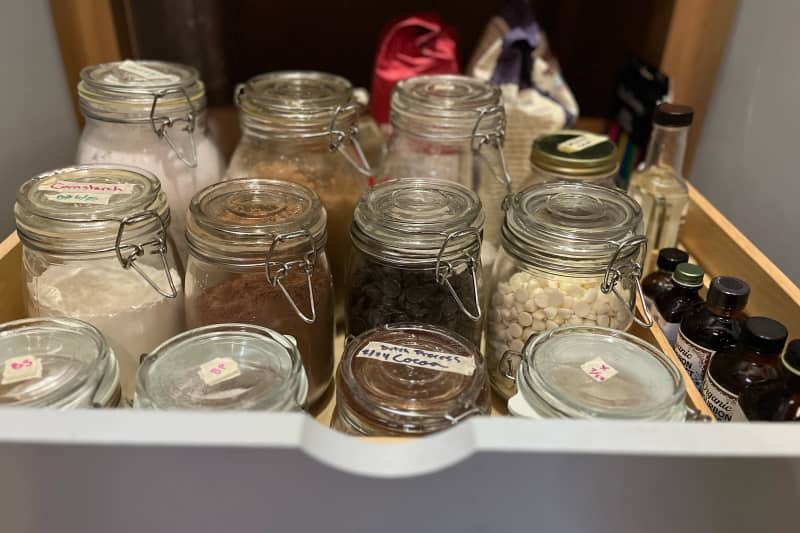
{"x":218,"y":370}
{"x":21,"y":368}
{"x":407,"y":355}
{"x":88,"y":188}
{"x":80,"y":198}
{"x":599,"y":370}
{"x":144,"y":72}
{"x":580,"y":143}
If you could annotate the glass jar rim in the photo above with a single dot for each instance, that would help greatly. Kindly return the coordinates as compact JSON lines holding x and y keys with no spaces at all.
{"x":598,"y":159}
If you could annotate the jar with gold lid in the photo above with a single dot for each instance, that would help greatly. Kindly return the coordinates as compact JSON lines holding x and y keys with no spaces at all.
{"x":573,"y":156}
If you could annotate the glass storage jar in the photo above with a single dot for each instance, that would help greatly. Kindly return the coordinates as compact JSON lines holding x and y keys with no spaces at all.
{"x":56,"y":362}
{"x":573,"y":155}
{"x":151,"y":115}
{"x":301,"y":127}
{"x":571,"y":255}
{"x":452,"y":127}
{"x":95,"y":248}
{"x":407,"y":380}
{"x":586,"y":372}
{"x":257,"y":256}
{"x":416,"y":257}
{"x":225,"y":366}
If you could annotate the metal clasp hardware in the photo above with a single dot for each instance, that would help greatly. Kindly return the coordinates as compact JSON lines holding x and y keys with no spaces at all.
{"x":614,"y":274}
{"x":445,"y":268}
{"x":693,"y":415}
{"x":161,"y":125}
{"x":337,"y":138}
{"x":455,"y":419}
{"x":495,"y":139}
{"x":306,"y":265}
{"x":506,"y":366}
{"x":138,"y":250}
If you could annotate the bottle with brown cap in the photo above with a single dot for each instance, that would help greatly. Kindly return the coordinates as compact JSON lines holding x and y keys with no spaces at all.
{"x":780,"y":403}
{"x":673,"y":304}
{"x":713,"y":327}
{"x":657,"y":283}
{"x":754,"y":364}
{"x":660,"y":187}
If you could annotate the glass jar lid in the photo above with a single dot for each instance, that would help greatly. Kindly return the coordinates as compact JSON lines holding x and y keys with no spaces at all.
{"x":240,"y":220}
{"x":410,"y":379}
{"x":574,"y":154}
{"x":416,"y":220}
{"x":82,"y":209}
{"x":56,"y":362}
{"x":446,"y":105}
{"x":577,"y":226}
{"x":593,"y":372}
{"x":224,"y":366}
{"x":135,"y":91}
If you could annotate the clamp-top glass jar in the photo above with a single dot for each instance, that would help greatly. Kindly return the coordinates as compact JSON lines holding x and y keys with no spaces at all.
{"x":416,"y":257}
{"x":95,"y":248}
{"x":301,"y":127}
{"x":573,"y":155}
{"x":571,"y":255}
{"x":452,"y":127}
{"x":151,"y":115}
{"x":257,"y":256}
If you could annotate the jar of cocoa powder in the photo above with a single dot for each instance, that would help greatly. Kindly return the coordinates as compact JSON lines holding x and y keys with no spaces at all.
{"x":408,"y":380}
{"x":416,"y":257}
{"x":257,"y":256}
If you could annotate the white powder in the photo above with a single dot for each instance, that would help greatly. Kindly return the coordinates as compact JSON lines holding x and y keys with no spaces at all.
{"x":120,"y":303}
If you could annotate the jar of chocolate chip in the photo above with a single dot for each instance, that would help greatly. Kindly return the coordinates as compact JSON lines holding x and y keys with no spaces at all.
{"x":409,"y":380}
{"x":571,"y":255}
{"x":257,"y":256}
{"x":416,"y":257}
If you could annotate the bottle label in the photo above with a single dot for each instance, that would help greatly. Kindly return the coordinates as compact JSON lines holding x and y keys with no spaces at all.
{"x":670,"y":329}
{"x":412,"y":356}
{"x":218,"y":370}
{"x":694,"y":358}
{"x":599,"y":370}
{"x":21,"y":368}
{"x":582,"y":142}
{"x":722,"y":402}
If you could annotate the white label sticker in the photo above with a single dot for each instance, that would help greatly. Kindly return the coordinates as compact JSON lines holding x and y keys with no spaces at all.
{"x":144,"y":72}
{"x":582,"y":142}
{"x":719,"y":400}
{"x":412,"y":356}
{"x":218,"y":370}
{"x":21,"y":368}
{"x":694,"y":358}
{"x":79,"y":198}
{"x":88,"y":188}
{"x":599,"y":370}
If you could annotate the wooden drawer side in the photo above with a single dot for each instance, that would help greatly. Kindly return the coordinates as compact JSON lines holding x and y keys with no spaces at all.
{"x":11,"y":282}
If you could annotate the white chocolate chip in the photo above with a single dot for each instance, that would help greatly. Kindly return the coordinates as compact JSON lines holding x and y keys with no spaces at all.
{"x":542,"y":299}
{"x":539,"y":315}
{"x":524,"y":319}
{"x":564,"y":312}
{"x":514,"y":330}
{"x":521,"y":295}
{"x":516,"y":345}
{"x":538,"y":325}
{"x":590,"y":296}
{"x":530,"y":306}
{"x":550,"y":312}
{"x":602,"y":321}
{"x":581,"y":309}
{"x":551,"y":324}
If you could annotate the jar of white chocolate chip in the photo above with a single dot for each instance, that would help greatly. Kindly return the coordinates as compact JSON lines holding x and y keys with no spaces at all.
{"x":570,"y":256}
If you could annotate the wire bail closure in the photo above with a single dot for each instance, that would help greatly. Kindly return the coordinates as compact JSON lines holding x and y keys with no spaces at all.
{"x":306,"y":265}
{"x":614,"y":274}
{"x":337,"y":138}
{"x":162,"y":124}
{"x":444,"y":269}
{"x":495,"y":139}
{"x":138,"y":250}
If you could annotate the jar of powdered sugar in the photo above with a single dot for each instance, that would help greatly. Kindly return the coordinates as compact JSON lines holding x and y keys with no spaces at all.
{"x":96,"y":248}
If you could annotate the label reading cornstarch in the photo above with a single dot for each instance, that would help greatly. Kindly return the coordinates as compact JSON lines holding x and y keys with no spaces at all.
{"x":413,"y":356}
{"x":88,"y":188}
{"x":599,"y":370}
{"x":144,"y":72}
{"x":219,"y":370}
{"x":580,"y":143}
{"x":21,"y":368}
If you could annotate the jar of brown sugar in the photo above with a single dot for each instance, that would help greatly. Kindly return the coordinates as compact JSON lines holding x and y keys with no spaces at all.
{"x":416,"y":257}
{"x":257,"y":256}
{"x":408,"y":380}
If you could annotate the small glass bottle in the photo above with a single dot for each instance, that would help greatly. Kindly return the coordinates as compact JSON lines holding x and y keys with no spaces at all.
{"x":713,"y":327}
{"x":660,"y":281}
{"x":572,"y":155}
{"x":674,"y":303}
{"x":780,"y":403}
{"x":660,"y":187}
{"x":754,"y":363}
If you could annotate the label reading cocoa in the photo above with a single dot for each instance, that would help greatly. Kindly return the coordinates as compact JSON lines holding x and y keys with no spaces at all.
{"x":694,"y":358}
{"x":719,"y":400}
{"x":412,"y":356}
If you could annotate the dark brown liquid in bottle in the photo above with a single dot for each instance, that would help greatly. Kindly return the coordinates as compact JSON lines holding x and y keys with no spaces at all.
{"x":779,"y":403}
{"x":657,"y":283}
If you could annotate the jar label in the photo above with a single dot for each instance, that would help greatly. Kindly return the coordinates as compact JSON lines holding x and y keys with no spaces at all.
{"x":413,"y":356}
{"x":73,"y":192}
{"x":21,"y":368}
{"x":599,"y":370}
{"x":695,"y":358}
{"x":145,"y":73}
{"x":722,"y":402}
{"x":582,"y":142}
{"x":218,"y":370}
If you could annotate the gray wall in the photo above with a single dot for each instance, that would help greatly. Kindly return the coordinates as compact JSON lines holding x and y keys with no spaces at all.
{"x":747,"y":162}
{"x":38,"y":125}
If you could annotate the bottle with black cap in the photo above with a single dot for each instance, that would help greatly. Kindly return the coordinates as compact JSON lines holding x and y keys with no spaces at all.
{"x":713,"y":327}
{"x":673,"y":304}
{"x":755,"y":363}
{"x":660,"y":187}
{"x":780,"y":403}
{"x":657,"y":283}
